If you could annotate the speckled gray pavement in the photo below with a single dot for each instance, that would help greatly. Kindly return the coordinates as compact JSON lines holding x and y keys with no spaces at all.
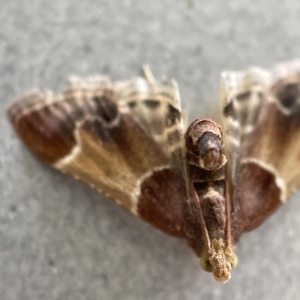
{"x":62,"y":240}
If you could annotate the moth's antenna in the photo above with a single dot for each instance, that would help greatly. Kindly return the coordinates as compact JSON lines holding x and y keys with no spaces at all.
{"x":148,"y":74}
{"x":228,"y":215}
{"x":202,"y":221}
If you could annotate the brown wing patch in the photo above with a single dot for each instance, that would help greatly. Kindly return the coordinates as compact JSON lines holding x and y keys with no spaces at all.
{"x":161,"y":199}
{"x":47,"y":131}
{"x":256,"y":197}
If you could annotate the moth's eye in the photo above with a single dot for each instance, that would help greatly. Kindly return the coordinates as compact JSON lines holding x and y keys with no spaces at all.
{"x":205,"y":264}
{"x":234,"y":262}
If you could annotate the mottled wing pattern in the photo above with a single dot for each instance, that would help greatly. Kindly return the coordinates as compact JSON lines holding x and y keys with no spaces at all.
{"x":99,"y":132}
{"x":278,"y":133}
{"x":156,"y":106}
{"x":243,"y":94}
{"x":268,"y":169}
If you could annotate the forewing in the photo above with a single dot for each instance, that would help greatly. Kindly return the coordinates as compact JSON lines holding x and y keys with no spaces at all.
{"x":94,"y":132}
{"x":243,"y":95}
{"x":268,"y":171}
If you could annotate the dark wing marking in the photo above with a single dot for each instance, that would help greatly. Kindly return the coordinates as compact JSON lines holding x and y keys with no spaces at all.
{"x":92,"y":133}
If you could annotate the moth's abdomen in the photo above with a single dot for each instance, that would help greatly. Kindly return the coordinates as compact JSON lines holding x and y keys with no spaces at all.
{"x":46,"y":129}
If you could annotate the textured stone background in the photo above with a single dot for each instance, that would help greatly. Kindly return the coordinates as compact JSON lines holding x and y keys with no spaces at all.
{"x":61,"y":240}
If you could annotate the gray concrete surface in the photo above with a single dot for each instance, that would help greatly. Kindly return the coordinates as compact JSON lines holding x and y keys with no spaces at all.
{"x":61,"y":240}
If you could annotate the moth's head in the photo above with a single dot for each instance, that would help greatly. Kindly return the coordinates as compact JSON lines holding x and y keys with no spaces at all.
{"x":204,"y":139}
{"x":210,"y":151}
{"x":219,"y":259}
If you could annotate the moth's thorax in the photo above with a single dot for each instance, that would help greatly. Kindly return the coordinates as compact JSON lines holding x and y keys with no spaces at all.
{"x":204,"y":144}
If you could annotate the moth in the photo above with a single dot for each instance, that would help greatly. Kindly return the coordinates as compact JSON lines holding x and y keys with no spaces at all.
{"x":205,"y":184}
